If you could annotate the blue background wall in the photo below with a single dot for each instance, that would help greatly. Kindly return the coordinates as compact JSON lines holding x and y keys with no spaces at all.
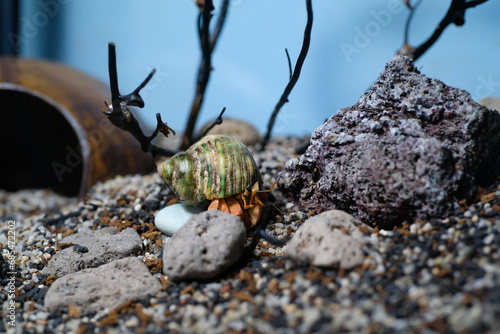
{"x":250,"y":67}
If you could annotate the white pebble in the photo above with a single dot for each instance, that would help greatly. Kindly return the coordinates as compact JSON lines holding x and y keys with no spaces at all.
{"x":488,"y":239}
{"x":170,"y":219}
{"x":427,"y":227}
{"x":132,"y":322}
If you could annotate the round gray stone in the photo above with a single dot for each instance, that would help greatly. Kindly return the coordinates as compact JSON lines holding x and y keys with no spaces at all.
{"x":326,"y":240}
{"x":205,"y":246}
{"x":103,"y":287}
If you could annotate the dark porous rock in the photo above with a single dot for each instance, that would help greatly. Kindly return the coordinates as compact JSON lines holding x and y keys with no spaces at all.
{"x":403,"y":151}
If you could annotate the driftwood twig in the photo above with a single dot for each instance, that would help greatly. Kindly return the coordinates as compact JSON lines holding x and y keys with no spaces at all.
{"x":455,"y":15}
{"x":120,"y":115}
{"x":295,"y":76}
{"x":207,"y":44}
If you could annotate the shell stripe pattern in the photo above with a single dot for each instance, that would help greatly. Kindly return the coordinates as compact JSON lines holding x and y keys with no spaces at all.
{"x":217,"y":166}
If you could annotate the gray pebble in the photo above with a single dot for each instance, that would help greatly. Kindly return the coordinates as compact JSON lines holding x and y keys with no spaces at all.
{"x":95,"y":247}
{"x":322,"y":241}
{"x":107,"y":286}
{"x":205,"y":246}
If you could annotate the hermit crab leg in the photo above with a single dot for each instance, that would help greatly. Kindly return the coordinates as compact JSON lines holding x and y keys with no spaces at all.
{"x":260,"y":233}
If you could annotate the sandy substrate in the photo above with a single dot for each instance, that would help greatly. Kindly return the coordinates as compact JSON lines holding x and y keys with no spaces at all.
{"x":439,"y":276}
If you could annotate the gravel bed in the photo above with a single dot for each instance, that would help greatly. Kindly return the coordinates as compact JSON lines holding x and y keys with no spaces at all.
{"x":437,"y":276}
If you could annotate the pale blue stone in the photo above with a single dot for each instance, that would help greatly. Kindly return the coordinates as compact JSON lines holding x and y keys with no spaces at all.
{"x":170,"y":219}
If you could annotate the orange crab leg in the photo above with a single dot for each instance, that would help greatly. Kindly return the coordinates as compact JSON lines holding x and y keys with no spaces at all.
{"x":251,"y":211}
{"x":229,"y":205}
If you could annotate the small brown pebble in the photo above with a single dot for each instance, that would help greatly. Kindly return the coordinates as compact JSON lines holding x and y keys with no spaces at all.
{"x":273,"y":286}
{"x":123,"y":225}
{"x":244,"y":296}
{"x":172,"y":201}
{"x":187,"y":289}
{"x":104,"y":220}
{"x":145,"y":318}
{"x":496,"y":207}
{"x":365,"y":230}
{"x":463,"y":204}
{"x":155,"y":266}
{"x":74,"y":311}
{"x":247,"y":276}
{"x":467,"y":300}
{"x":50,"y":279}
{"x":225,"y":288}
{"x":488,"y":197}
{"x":70,"y":232}
{"x":290,"y":277}
{"x":279,"y":264}
{"x":151,"y":234}
{"x":438,"y":325}
{"x":114,"y":314}
{"x":441,"y":272}
{"x":82,"y":329}
{"x":312,"y":275}
{"x":121,"y":201}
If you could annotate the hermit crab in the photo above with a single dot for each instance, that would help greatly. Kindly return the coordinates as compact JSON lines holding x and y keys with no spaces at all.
{"x":221,"y":169}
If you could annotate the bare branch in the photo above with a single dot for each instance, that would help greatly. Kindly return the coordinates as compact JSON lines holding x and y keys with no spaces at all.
{"x":220,"y":24}
{"x":474,"y":3}
{"x":408,"y":21}
{"x":217,"y":121}
{"x":289,"y":63}
{"x":120,"y":115}
{"x":207,"y":44}
{"x":296,"y":73}
{"x":455,"y":15}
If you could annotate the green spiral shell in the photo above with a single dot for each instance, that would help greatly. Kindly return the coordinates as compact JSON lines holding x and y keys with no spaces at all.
{"x":216,"y":166}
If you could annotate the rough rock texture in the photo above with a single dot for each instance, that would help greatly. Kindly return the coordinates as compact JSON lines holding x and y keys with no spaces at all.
{"x":404,"y":150}
{"x":329,"y":239}
{"x":205,"y":246}
{"x":104,"y":245}
{"x":107,"y":286}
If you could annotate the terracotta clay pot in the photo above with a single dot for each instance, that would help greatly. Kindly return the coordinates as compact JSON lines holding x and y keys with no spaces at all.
{"x":53,"y":133}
